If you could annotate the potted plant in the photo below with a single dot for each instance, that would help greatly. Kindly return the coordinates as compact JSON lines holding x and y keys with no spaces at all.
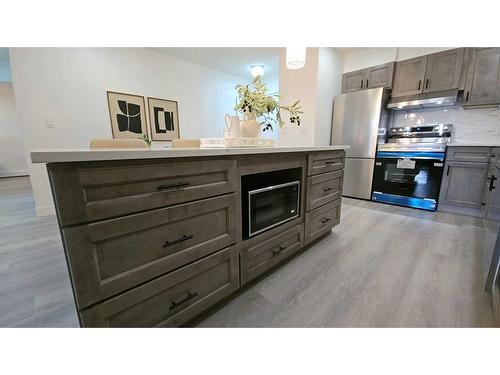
{"x":262,"y":110}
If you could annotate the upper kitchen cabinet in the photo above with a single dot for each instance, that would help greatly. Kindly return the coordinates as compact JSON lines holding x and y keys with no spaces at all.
{"x":437,"y":72}
{"x":379,"y":76}
{"x":409,"y":76}
{"x":443,"y":70}
{"x":482,"y":85}
{"x":353,"y":81}
{"x":370,"y":78}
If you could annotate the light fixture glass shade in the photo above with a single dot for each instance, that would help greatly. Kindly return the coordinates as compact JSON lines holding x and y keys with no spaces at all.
{"x":257,"y":70}
{"x":295,"y":57}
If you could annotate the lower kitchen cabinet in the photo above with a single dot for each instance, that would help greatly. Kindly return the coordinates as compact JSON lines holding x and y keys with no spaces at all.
{"x":172,"y":299}
{"x":462,"y":188}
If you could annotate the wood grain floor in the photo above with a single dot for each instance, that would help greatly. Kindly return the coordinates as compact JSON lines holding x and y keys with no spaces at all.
{"x":383,"y":266}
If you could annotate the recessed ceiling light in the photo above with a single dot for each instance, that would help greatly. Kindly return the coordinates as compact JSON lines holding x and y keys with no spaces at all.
{"x":257,"y":70}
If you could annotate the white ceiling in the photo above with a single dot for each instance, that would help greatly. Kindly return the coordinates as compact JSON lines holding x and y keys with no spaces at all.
{"x":232,"y":60}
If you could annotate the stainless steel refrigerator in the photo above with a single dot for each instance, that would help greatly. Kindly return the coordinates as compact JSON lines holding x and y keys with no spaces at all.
{"x":357,"y":118}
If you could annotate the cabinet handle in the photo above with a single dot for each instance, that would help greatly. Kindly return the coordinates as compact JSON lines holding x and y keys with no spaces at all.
{"x":492,"y":183}
{"x":327,"y":189}
{"x":175,"y":304}
{"x":467,"y":97}
{"x":367,"y":83}
{"x":330,"y":162}
{"x":361,"y":84}
{"x":281,"y":248}
{"x":426,"y":83}
{"x":172,"y":186}
{"x":326,"y":220}
{"x":448,"y":170}
{"x":181,"y":239}
{"x":419,"y":84}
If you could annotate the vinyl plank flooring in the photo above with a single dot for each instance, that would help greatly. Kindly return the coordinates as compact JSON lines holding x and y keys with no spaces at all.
{"x":382,"y":266}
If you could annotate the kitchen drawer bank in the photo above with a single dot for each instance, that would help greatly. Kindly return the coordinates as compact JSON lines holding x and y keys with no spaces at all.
{"x":156,"y":242}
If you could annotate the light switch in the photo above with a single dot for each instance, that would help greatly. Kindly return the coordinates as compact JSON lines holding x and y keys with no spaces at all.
{"x":49,"y":124}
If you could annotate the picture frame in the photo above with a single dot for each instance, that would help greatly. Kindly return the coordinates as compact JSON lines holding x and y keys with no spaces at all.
{"x":127,"y":113}
{"x":163,"y":119}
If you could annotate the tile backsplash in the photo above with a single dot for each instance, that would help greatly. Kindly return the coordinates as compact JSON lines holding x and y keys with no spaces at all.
{"x":470,"y":125}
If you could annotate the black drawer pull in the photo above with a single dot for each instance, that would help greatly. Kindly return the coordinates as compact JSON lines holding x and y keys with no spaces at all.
{"x":330,"y":162}
{"x":467,"y":97}
{"x":492,"y":183}
{"x":326,"y":220}
{"x":367,"y":83}
{"x":448,"y":170}
{"x":172,"y":186}
{"x":419,"y":84}
{"x":361,"y":84}
{"x":182,"y":301}
{"x":327,"y":189}
{"x":181,"y":239}
{"x":427,"y":83}
{"x":281,"y":248}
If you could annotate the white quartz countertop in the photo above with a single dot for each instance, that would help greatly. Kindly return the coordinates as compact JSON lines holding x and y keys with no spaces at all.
{"x":76,"y":155}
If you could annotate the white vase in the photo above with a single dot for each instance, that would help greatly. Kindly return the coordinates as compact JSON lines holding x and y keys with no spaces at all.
{"x":250,"y":127}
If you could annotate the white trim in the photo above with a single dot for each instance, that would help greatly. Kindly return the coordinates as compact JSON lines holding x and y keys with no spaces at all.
{"x":45,"y":210}
{"x":18,"y":173}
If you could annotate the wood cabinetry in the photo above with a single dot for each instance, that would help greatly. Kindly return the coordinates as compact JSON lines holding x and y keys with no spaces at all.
{"x":436,"y":72}
{"x":155,"y":242}
{"x":463,"y":184}
{"x":409,"y":76}
{"x":369,"y":78}
{"x":482,"y":84}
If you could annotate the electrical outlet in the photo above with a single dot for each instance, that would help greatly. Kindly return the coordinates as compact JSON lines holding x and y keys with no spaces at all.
{"x":49,"y":124}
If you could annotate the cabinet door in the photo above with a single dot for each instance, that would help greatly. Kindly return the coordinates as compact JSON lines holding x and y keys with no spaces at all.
{"x":463,"y":185}
{"x":482,"y":86}
{"x":353,"y":81}
{"x":493,"y":194}
{"x":380,"y":76}
{"x":443,"y":70}
{"x":409,"y":76}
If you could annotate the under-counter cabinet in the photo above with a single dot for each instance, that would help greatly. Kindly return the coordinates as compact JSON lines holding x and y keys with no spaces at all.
{"x":155,"y":242}
{"x":369,"y":78}
{"x":482,"y":85}
{"x":468,"y":182}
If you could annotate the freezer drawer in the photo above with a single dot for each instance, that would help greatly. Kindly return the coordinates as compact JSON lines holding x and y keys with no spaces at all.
{"x":358,"y":175}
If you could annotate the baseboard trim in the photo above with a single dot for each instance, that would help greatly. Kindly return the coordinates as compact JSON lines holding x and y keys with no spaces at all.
{"x":45,"y":210}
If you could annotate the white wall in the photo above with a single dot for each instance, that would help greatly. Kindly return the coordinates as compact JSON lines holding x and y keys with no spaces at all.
{"x":330,"y":64}
{"x":68,"y":87}
{"x":315,"y":86}
{"x":5,"y":71}
{"x":367,"y":57}
{"x":12,"y":155}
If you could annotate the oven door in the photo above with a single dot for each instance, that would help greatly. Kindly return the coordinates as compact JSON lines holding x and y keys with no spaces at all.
{"x":272,"y":206}
{"x":408,"y":178}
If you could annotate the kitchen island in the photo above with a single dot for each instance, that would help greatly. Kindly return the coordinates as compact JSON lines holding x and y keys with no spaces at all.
{"x":156,"y":237}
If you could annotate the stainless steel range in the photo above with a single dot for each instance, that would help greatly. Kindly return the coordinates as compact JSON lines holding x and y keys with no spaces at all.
{"x":409,"y":168}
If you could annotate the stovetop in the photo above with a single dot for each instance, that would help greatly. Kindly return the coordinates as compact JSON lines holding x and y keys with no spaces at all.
{"x":427,"y":138}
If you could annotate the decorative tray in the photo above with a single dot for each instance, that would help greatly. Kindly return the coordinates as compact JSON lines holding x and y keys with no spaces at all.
{"x":239,"y":142}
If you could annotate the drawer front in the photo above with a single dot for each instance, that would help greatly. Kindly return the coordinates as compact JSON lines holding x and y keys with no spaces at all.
{"x":258,"y":258}
{"x":111,"y":256}
{"x":90,"y":193}
{"x":172,"y":299}
{"x":324,"y":188}
{"x":322,"y":220}
{"x":477,"y":154}
{"x":327,"y":161}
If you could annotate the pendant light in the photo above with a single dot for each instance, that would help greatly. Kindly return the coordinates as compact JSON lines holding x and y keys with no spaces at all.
{"x":295,"y":57}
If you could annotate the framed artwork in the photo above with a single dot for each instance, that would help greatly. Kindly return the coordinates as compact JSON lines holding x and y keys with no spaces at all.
{"x":128,"y":115}
{"x":163,"y":119}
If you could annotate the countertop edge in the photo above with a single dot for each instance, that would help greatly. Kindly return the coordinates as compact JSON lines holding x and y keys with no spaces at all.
{"x":82,"y":155}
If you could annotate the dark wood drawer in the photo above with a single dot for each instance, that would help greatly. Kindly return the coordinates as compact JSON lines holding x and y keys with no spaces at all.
{"x":464,"y":153}
{"x":324,"y":188}
{"x":172,"y":299}
{"x":111,"y":256}
{"x":322,"y":220}
{"x":259,"y":257}
{"x":91,"y":192}
{"x":325,"y":161}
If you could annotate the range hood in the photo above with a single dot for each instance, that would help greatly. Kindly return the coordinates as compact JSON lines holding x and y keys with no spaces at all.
{"x":428,"y":100}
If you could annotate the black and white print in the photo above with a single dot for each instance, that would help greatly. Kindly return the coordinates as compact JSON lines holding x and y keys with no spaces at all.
{"x":163,"y":119}
{"x":128,"y":115}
